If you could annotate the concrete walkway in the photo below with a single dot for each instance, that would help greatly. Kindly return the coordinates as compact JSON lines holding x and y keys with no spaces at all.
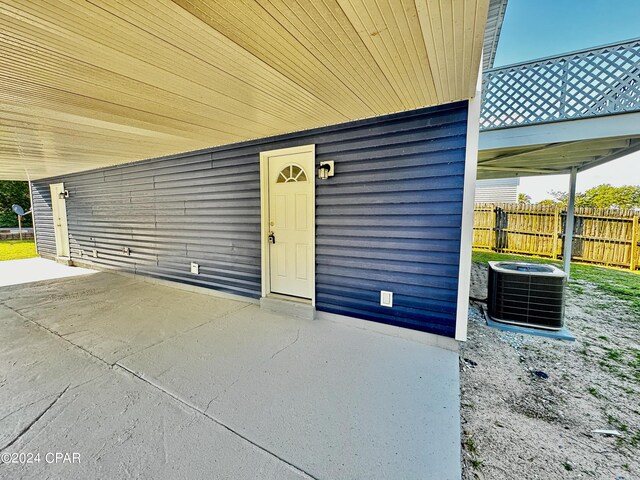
{"x":147,"y":381}
{"x":15,"y":272}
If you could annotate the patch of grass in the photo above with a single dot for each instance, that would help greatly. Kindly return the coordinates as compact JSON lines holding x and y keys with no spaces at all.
{"x":17,"y":249}
{"x":577,"y":288}
{"x":603,"y":337}
{"x":614,"y":354}
{"x":621,"y":284}
{"x":567,"y":466}
{"x":595,"y":392}
{"x":632,"y":441}
{"x":636,"y":358}
{"x":618,"y":356}
{"x":635,"y":364}
{"x":472,"y":449}
{"x":471,"y":445}
{"x":607,"y":366}
{"x":617,"y":283}
{"x":470,"y":406}
{"x":613,"y":421}
{"x":613,"y":369}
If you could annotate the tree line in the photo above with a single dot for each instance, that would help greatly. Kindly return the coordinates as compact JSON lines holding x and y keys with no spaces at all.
{"x":602,"y":196}
{"x":13,"y":192}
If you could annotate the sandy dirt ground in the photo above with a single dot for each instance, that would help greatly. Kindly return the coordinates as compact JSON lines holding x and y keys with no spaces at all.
{"x":530,"y":405}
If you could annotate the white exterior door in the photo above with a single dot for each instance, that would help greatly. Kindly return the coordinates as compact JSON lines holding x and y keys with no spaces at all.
{"x":291,"y":222}
{"x":59,"y":210}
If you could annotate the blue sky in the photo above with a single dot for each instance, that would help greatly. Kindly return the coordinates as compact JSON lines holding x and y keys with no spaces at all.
{"x":539,"y":28}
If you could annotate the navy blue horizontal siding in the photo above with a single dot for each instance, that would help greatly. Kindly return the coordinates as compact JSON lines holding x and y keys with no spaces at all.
{"x":388,"y":220}
{"x":43,"y":220}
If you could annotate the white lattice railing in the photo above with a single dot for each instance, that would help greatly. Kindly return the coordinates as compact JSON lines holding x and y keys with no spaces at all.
{"x":588,"y":83}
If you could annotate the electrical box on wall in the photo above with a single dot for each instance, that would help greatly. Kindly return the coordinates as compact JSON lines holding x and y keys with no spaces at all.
{"x":386,"y":298}
{"x":195,"y":268}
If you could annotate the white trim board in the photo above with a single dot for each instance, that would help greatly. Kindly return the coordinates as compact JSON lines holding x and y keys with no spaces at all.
{"x":33,"y":217}
{"x":61,"y":229}
{"x":264,"y":215}
{"x":621,"y":125}
{"x":466,"y":230}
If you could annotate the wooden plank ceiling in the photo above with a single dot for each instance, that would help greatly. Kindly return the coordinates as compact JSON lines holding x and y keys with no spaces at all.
{"x":85,"y":84}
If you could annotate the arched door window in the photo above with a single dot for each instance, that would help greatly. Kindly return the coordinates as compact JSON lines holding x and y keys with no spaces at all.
{"x":292,"y":173}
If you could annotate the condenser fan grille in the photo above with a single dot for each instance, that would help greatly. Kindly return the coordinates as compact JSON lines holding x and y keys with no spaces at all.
{"x":526,"y":294}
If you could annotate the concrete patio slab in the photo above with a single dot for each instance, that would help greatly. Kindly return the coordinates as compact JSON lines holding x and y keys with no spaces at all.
{"x":111,"y":315}
{"x":16,"y":272}
{"x":342,"y":402}
{"x":120,"y":427}
{"x":164,"y":383}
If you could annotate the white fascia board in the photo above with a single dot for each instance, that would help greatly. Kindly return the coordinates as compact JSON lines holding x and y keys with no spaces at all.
{"x":610,"y":126}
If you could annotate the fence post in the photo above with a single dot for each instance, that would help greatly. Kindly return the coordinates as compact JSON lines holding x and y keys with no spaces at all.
{"x":634,"y":243}
{"x":556,"y":231}
{"x":493,"y":239}
{"x":569,"y":223}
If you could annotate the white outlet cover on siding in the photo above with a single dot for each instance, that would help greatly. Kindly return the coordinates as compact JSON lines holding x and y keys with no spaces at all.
{"x":195,"y":268}
{"x":386,"y":298}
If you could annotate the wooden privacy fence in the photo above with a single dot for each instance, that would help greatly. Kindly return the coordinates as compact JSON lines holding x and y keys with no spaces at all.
{"x":604,"y":236}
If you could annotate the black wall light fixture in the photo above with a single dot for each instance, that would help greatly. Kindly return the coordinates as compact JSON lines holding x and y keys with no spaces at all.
{"x":326,"y":170}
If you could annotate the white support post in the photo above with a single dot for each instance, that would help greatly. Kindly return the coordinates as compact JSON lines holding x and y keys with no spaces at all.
{"x":468,"y":198}
{"x":568,"y":230}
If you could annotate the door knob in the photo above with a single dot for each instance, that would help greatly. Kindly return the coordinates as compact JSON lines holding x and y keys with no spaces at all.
{"x":271,"y":237}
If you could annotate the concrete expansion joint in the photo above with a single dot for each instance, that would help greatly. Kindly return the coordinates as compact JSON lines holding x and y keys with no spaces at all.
{"x":69,"y":388}
{"x":193,"y":407}
{"x":35,"y":420}
{"x":52,"y":332}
